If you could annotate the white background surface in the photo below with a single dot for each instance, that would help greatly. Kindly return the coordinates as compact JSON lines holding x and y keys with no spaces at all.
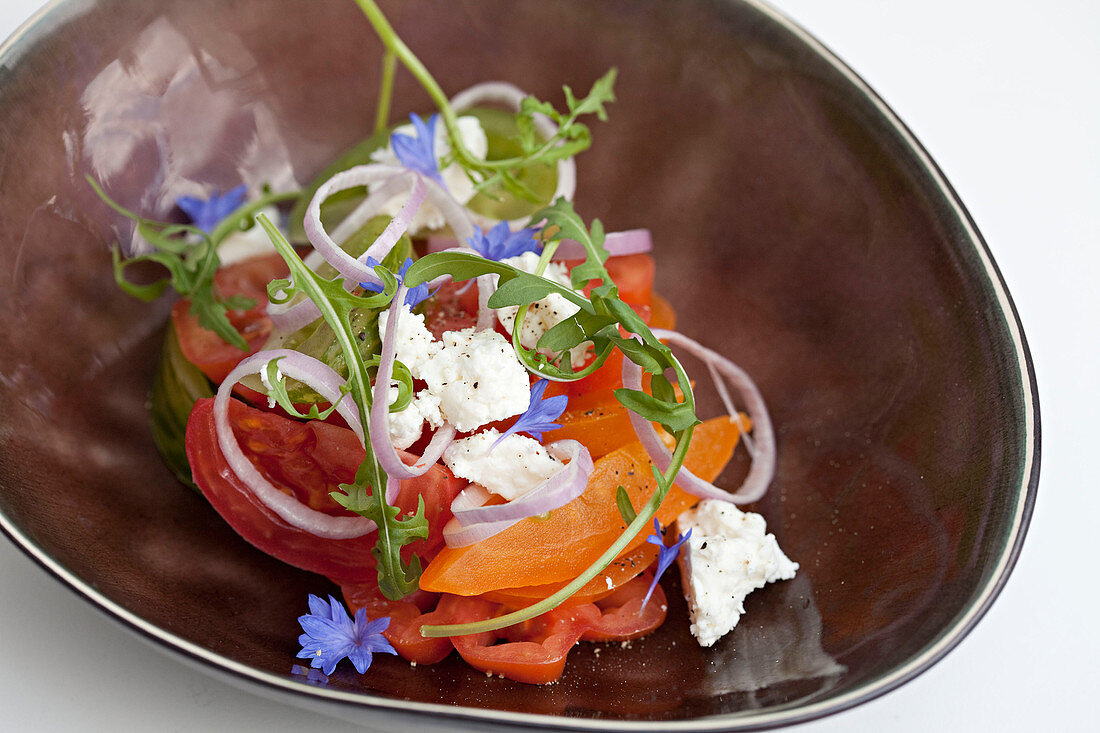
{"x":1005,"y":96}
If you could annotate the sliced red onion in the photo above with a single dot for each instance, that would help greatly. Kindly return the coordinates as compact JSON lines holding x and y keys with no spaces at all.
{"x":287,"y":319}
{"x":349,"y":267}
{"x":511,"y":97}
{"x":556,"y":491}
{"x":380,"y":439}
{"x":629,"y":242}
{"x":326,"y":383}
{"x":486,"y":316}
{"x":369,"y":207}
{"x":763,"y":455}
{"x":456,"y":215}
{"x":455,"y":535}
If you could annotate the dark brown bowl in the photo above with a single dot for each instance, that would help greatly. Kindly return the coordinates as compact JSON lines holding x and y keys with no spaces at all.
{"x":800,"y":229}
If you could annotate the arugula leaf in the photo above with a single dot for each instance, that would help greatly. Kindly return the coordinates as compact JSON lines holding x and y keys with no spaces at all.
{"x":673,"y":416}
{"x":396,"y":579}
{"x":191,"y":258}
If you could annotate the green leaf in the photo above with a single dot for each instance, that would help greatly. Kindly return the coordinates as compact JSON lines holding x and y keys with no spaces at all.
{"x":275,"y":383}
{"x":602,"y":92}
{"x":673,"y":416}
{"x":396,"y":578}
{"x":573,"y":331}
{"x":626,"y":509}
{"x":521,"y":289}
{"x":639,"y":353}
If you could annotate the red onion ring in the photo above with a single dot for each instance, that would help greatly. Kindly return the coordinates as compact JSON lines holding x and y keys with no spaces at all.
{"x":455,"y":535}
{"x":629,"y":242}
{"x":764,"y":453}
{"x":556,"y":491}
{"x":349,"y":267}
{"x":380,"y":440}
{"x":326,"y":383}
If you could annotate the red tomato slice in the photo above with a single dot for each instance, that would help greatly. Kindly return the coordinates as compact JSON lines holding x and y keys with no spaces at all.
{"x":205,"y":349}
{"x":308,"y":460}
{"x":451,"y":309}
{"x":535,"y":651}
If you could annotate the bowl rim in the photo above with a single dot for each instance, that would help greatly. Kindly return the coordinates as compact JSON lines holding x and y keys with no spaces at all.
{"x":267,"y":684}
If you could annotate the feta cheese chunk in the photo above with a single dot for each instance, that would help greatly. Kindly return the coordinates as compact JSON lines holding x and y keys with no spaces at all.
{"x":477,"y":378}
{"x":543,"y":314}
{"x":516,"y":466}
{"x":454,"y":176}
{"x":415,"y":343}
{"x":728,"y":556}
{"x":407,"y":425}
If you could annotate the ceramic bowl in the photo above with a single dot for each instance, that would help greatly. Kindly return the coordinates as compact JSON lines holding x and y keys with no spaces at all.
{"x":799,"y":228}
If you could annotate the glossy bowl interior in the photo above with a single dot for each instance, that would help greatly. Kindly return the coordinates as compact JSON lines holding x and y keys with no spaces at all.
{"x":798,"y":227}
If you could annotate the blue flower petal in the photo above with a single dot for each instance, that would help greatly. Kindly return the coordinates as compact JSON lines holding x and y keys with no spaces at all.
{"x":418,"y":153}
{"x":665,"y":555}
{"x":540,"y":415}
{"x":331,"y":635}
{"x":207,"y":214}
{"x":500,"y":243}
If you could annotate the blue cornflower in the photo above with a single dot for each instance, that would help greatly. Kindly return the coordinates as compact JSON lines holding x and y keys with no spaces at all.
{"x":208,"y":214}
{"x":501,"y":242}
{"x":413,"y":296}
{"x":540,"y":414}
{"x":330,"y":635}
{"x":665,"y":555}
{"x":418,"y":153}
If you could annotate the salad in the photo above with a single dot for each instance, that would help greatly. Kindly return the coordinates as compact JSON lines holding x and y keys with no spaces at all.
{"x":428,"y":379}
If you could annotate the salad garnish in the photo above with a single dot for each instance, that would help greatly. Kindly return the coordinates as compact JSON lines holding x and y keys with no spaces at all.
{"x":331,"y":635}
{"x":418,"y":153}
{"x":208,"y":213}
{"x":540,"y":416}
{"x":666,"y":555}
{"x":501,"y":243}
{"x":441,"y":432}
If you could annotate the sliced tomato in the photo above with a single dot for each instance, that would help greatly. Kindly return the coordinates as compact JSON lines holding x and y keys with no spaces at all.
{"x":453,"y":308}
{"x":632,"y":275}
{"x":621,"y":571}
{"x":622,"y":615}
{"x":307,"y":460}
{"x":205,"y":349}
{"x":596,"y":419}
{"x":535,"y":651}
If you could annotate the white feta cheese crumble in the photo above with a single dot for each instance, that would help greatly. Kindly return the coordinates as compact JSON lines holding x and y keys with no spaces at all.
{"x":415,"y":343}
{"x":454,"y":176}
{"x":407,"y":425}
{"x":512,"y":469}
{"x":543,"y":314}
{"x":728,"y":556}
{"x":477,"y":378}
{"x":252,"y":242}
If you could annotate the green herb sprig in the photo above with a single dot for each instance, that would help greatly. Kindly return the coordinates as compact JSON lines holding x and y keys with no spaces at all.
{"x":190,"y":256}
{"x":367,"y":494}
{"x":571,"y":137}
